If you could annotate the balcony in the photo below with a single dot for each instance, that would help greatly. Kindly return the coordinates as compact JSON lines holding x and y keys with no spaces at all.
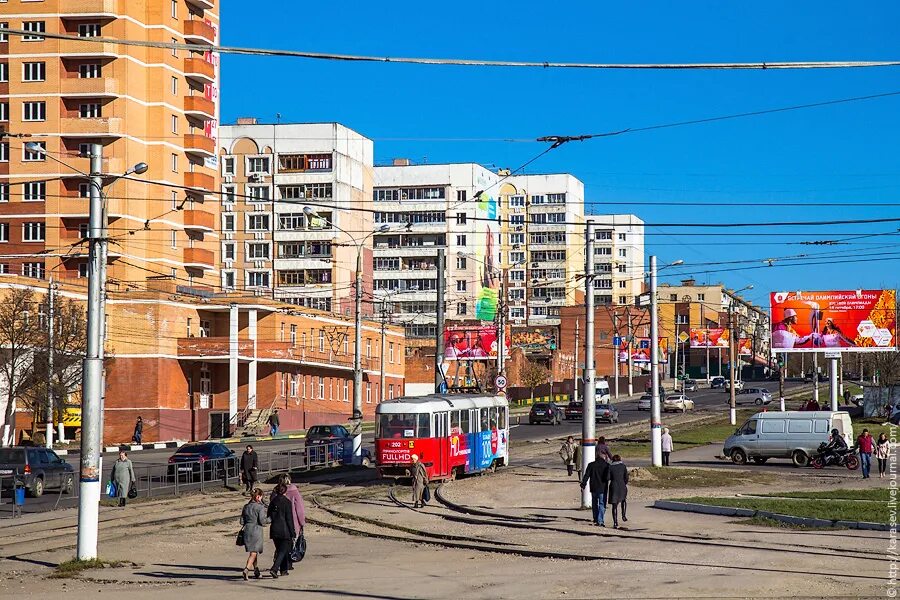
{"x":204,"y":4}
{"x":199,"y":144}
{"x":77,"y":127}
{"x":199,"y":32}
{"x":200,"y":181}
{"x":198,"y":258}
{"x":200,"y":107}
{"x":91,"y":8}
{"x":95,"y":87}
{"x":87,"y":48}
{"x":197,"y":68}
{"x":200,"y":220}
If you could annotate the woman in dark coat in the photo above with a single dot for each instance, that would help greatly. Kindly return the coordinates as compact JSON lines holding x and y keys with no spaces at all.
{"x":618,"y":488}
{"x":281,"y":531}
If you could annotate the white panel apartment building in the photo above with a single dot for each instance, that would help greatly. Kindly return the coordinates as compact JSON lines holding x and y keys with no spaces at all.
{"x":618,"y":258}
{"x":269,"y":174}
{"x":436,"y":201}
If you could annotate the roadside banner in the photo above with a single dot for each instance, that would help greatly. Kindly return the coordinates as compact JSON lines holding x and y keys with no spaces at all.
{"x":847,"y":321}
{"x":640,"y":351}
{"x":473,"y":343}
{"x":715,"y":338}
{"x":745,"y":347}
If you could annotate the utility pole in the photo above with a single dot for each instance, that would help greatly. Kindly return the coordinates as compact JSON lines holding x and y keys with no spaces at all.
{"x":706,"y":341}
{"x":816,"y":376}
{"x":50,"y":340}
{"x":357,"y":359}
{"x":616,"y":349}
{"x":575,"y":379}
{"x":383,"y":324}
{"x":89,"y":475}
{"x":781,"y":370}
{"x":630,"y":356}
{"x":440,"y":383}
{"x":675,"y":368}
{"x":655,"y":413}
{"x":833,"y":382}
{"x":589,"y":406}
{"x":732,"y":411}
{"x":501,"y":329}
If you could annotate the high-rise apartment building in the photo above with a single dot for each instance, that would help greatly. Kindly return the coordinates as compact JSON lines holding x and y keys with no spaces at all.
{"x":141,"y":104}
{"x":296,"y":212}
{"x":618,"y":258}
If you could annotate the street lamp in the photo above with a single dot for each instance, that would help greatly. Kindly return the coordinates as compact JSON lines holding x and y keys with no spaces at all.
{"x":655,"y":412}
{"x":731,"y":354}
{"x":357,"y":310}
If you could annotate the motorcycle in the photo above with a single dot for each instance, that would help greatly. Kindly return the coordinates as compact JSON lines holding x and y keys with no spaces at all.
{"x":845,"y":457}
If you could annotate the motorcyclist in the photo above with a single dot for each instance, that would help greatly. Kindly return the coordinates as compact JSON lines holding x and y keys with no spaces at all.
{"x":836,"y":445}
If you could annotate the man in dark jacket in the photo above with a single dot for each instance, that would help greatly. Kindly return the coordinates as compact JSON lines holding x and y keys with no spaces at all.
{"x":249,"y":468}
{"x":138,"y":431}
{"x":281,"y":531}
{"x":597,"y":473}
{"x":274,"y":422}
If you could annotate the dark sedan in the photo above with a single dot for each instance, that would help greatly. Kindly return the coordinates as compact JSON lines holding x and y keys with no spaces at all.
{"x":545,"y":412}
{"x":573,"y":411}
{"x":214,"y":460}
{"x":338,"y":442}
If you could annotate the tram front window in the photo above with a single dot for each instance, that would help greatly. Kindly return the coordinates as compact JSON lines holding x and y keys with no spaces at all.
{"x":403,"y":425}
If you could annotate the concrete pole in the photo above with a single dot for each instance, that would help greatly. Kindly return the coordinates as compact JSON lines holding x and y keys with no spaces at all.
{"x":575,"y":378}
{"x":439,"y":380}
{"x":675,"y":370}
{"x":655,"y":412}
{"x":356,"y":417}
{"x":707,"y":357}
{"x":630,"y":356}
{"x":232,"y":365}
{"x":816,"y":376}
{"x":616,"y":350}
{"x":781,"y":381}
{"x":252,"y":365}
{"x":589,"y":406}
{"x":731,"y":400}
{"x":90,"y":473}
{"x":834,"y":366}
{"x":50,"y":340}
{"x":381,"y":376}
{"x":501,"y":330}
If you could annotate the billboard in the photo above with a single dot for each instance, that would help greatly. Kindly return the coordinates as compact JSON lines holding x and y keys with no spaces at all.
{"x":713,"y":338}
{"x":640,"y":354}
{"x":473,"y":343}
{"x":487,"y":243}
{"x":855,"y":320}
{"x":745,"y":347}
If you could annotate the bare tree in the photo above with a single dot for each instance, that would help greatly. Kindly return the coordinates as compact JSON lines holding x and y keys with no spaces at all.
{"x":20,"y":332}
{"x":886,"y":365}
{"x":534,"y":374}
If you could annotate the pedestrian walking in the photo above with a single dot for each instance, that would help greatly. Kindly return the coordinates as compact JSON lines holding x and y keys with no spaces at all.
{"x":249,"y":468}
{"x":281,"y":530}
{"x":578,"y":466}
{"x":420,"y":480}
{"x":618,"y":489}
{"x":667,"y":446}
{"x":603,"y":449}
{"x":274,"y":422}
{"x":597,"y":474}
{"x":864,"y":445}
{"x":882,"y":452}
{"x":846,"y":396}
{"x":567,"y":454}
{"x":123,"y":477}
{"x":138,"y":431}
{"x":298,"y":509}
{"x":253,"y":519}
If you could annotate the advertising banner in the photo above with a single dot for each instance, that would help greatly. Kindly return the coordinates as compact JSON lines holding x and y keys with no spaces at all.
{"x":745,"y":347}
{"x":487,"y":240}
{"x":472,"y":343}
{"x":640,"y":352}
{"x":714,"y":338}
{"x":855,"y":320}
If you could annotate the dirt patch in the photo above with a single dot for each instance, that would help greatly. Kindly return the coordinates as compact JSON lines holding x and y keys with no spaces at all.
{"x":671,"y":478}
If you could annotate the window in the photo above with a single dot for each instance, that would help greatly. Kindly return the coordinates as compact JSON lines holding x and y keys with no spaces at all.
{"x":228,"y":193}
{"x":83,"y":229}
{"x":460,"y":218}
{"x":391,"y":351}
{"x":460,"y":285}
{"x":621,"y":237}
{"x":90,"y":111}
{"x":28,"y":155}
{"x":34,"y":191}
{"x":33,"y":27}
{"x":461,"y":240}
{"x":4,"y":192}
{"x":321,"y":340}
{"x":461,"y":308}
{"x":174,"y":163}
{"x":460,"y":195}
{"x":517,"y":201}
{"x":91,"y":71}
{"x":88,"y":30}
{"x":4,"y":37}
{"x":258,"y":164}
{"x":228,"y":280}
{"x":623,"y":285}
{"x":293,"y":335}
{"x":227,"y":163}
{"x":368,"y":392}
{"x":516,"y":257}
{"x":228,"y":251}
{"x":258,"y":252}
{"x":257,"y":222}
{"x":34,"y":111}
{"x":321,"y":388}
{"x":82,"y":270}
{"x":258,"y":193}
{"x":33,"y":269}
{"x":623,"y":252}
{"x":294,"y":385}
{"x":174,"y":86}
{"x":517,"y":275}
{"x":257,"y":279}
{"x":4,"y":111}
{"x":174,"y":124}
{"x":4,"y":232}
{"x":227,"y":222}
{"x":461,"y":262}
{"x":34,"y":71}
{"x":621,"y":268}
{"x":517,"y":294}
{"x":517,"y":313}
{"x":174,"y":240}
{"x":4,"y":72}
{"x":623,"y":299}
{"x":346,"y":392}
{"x":174,"y":9}
{"x":701,"y":297}
{"x":391,"y":392}
{"x":33,"y":232}
{"x":84,"y":190}
{"x":516,"y":238}
{"x":4,"y":151}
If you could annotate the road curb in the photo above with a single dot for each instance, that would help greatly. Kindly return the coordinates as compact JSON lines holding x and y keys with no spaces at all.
{"x":729,"y":511}
{"x":128,"y":447}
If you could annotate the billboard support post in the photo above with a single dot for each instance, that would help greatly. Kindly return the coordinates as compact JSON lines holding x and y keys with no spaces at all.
{"x":816,"y":377}
{"x":707,"y":356}
{"x":655,"y":413}
{"x":781,"y":380}
{"x":731,"y":392}
{"x":440,"y":381}
{"x":630,"y":357}
{"x":588,"y":411}
{"x":833,"y":376}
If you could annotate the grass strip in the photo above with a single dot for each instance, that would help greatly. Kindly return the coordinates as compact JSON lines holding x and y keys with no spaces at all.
{"x":869,"y":495}
{"x":74,"y":568}
{"x":870,"y":512}
{"x":672,"y":478}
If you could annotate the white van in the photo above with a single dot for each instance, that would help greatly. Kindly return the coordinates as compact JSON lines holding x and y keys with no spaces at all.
{"x":601,"y":391}
{"x":792,"y":434}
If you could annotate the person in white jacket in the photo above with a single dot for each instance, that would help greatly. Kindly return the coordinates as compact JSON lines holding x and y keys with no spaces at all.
{"x":667,"y":446}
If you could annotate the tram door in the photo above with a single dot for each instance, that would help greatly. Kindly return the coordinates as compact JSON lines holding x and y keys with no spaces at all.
{"x":441,"y":428}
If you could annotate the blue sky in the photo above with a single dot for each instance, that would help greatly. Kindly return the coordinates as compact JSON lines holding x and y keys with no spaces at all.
{"x":844,"y":153}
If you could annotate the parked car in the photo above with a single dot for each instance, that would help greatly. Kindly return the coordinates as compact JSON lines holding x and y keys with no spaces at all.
{"x":791,"y":434}
{"x":645,"y":402}
{"x":689,"y":385}
{"x":857,"y":399}
{"x":757,"y":396}
{"x":339,"y":442}
{"x":608,"y":413}
{"x":573,"y":410}
{"x":677,"y":403}
{"x":738,"y":384}
{"x":545,"y":412}
{"x":36,"y":468}
{"x":211,"y":460}
{"x":717,"y":382}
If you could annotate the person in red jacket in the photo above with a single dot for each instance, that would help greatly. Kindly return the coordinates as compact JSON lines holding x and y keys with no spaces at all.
{"x":865,"y":445}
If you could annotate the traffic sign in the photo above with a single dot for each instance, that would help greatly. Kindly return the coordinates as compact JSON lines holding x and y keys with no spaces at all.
{"x":645,"y":343}
{"x":500,"y":382}
{"x":642,"y":300}
{"x":617,"y":341}
{"x":832,"y":355}
{"x":683,"y":336}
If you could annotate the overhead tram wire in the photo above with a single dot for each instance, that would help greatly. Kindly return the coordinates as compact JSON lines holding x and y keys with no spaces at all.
{"x":464,"y":62}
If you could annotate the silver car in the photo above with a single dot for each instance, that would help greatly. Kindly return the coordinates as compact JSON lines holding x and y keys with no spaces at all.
{"x":757,"y":396}
{"x":644,"y":402}
{"x":677,"y":403}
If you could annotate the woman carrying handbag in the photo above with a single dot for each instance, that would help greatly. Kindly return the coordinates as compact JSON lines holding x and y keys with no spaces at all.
{"x":253,"y":521}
